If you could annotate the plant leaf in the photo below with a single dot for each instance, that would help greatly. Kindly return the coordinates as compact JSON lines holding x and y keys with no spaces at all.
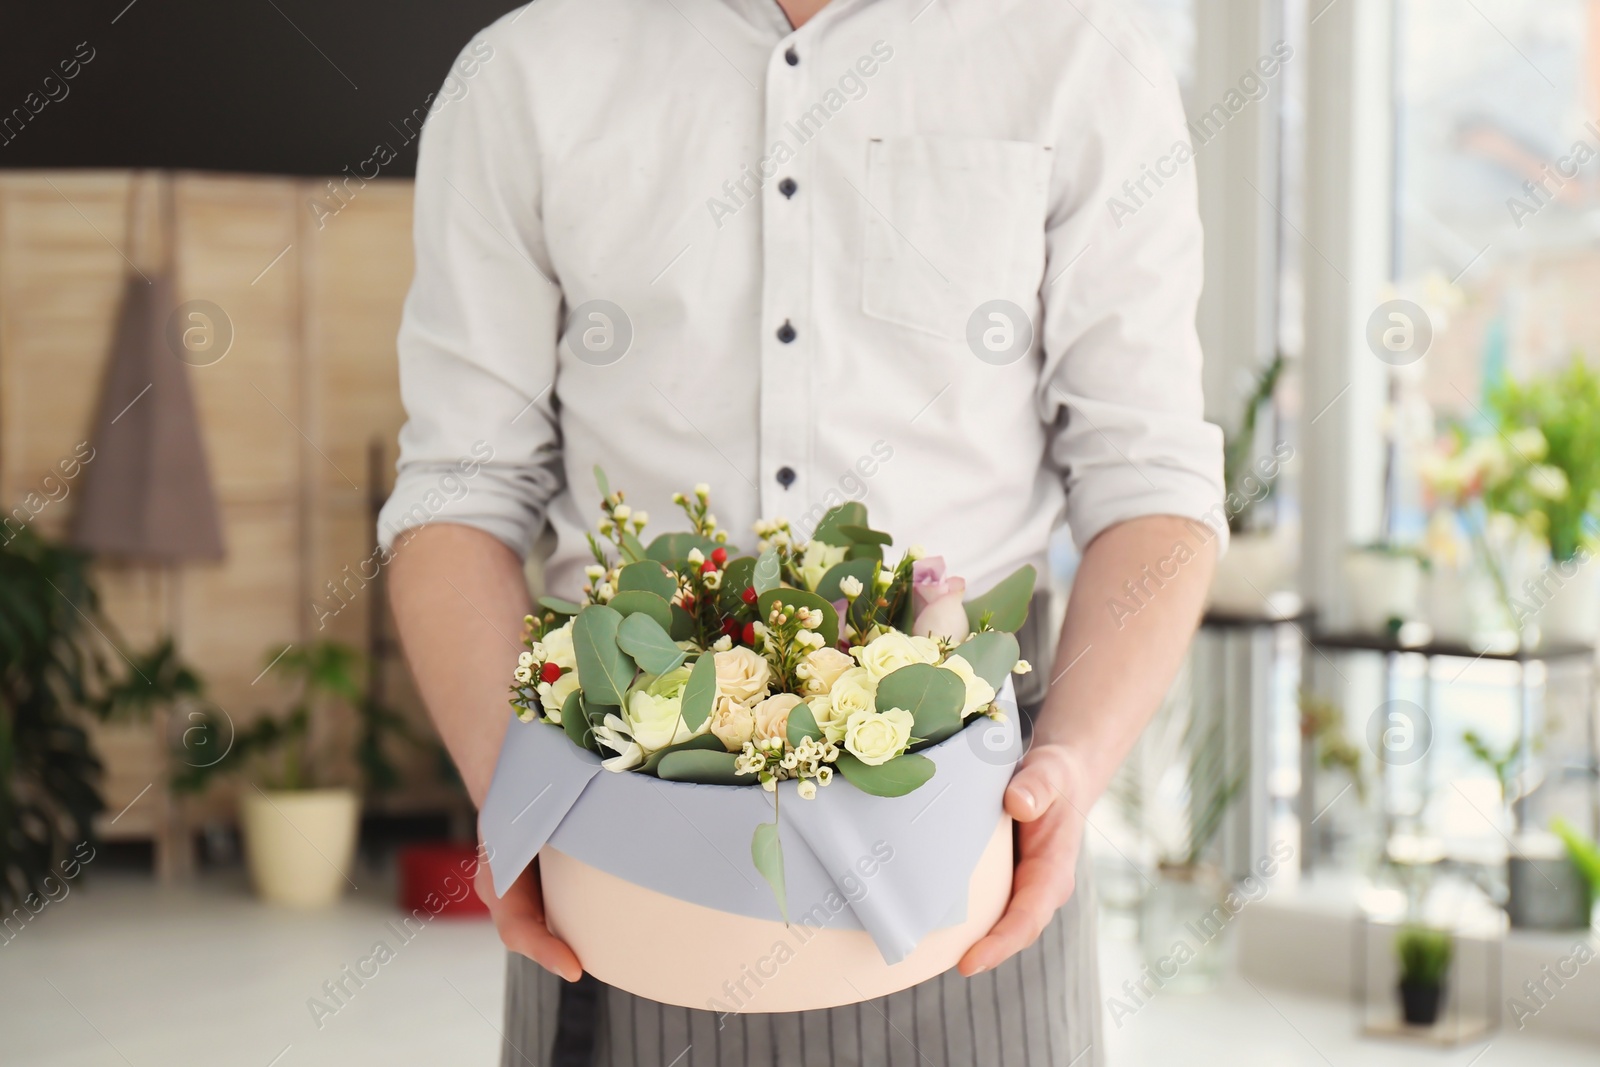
{"x":700,"y":742}
{"x":932,"y":695}
{"x":700,"y":692}
{"x":1007,"y":603}
{"x":682,"y":628}
{"x":767,"y":573}
{"x":766,"y":850}
{"x":864,"y":535}
{"x":850,"y":513}
{"x":604,"y":670}
{"x":648,"y":576}
{"x":896,"y":778}
{"x":802,"y":724}
{"x":673,"y":548}
{"x":991,"y":655}
{"x":859,"y":569}
{"x":635,"y":601}
{"x":559,"y":606}
{"x":632,"y":550}
{"x":602,"y":481}
{"x":701,"y":766}
{"x":804,"y":598}
{"x":651,"y":647}
{"x":736,"y":578}
{"x":575,"y":721}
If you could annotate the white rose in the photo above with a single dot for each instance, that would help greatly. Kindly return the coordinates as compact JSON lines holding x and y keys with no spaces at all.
{"x":742,"y":676}
{"x":733,"y":724}
{"x":979,"y":692}
{"x":816,"y":561}
{"x":829,"y":718}
{"x":654,"y":714}
{"x":852,"y":692}
{"x":772,"y":715}
{"x":553,"y":695}
{"x":558,"y":648}
{"x":825,"y":666}
{"x":894,"y":650}
{"x":876,"y":737}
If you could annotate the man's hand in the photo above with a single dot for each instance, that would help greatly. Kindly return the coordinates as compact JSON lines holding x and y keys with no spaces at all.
{"x":519,"y":920}
{"x":1050,"y":833}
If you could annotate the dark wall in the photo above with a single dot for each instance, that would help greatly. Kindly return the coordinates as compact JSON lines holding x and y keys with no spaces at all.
{"x":265,"y":86}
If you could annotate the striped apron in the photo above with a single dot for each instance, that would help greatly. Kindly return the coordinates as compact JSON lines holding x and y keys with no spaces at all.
{"x":1041,"y":1008}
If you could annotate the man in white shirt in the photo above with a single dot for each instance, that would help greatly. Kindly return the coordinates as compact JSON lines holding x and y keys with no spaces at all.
{"x":811,"y":252}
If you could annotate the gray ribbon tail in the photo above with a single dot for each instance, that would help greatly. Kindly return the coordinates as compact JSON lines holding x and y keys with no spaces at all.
{"x":538,"y":778}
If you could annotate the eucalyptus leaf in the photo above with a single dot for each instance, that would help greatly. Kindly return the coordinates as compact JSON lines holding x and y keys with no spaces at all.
{"x":575,"y":721}
{"x":682,"y":628}
{"x":850,"y":513}
{"x":767,"y":572}
{"x":991,"y":655}
{"x":933,"y":696}
{"x":698,"y":743}
{"x":635,"y":601}
{"x":737,"y":576}
{"x":604,"y":670}
{"x":1007,"y":603}
{"x":674,"y":548}
{"x":896,"y":778}
{"x":648,"y":576}
{"x":700,"y":692}
{"x":804,"y":598}
{"x":865,"y":535}
{"x":602,"y":481}
{"x":859,"y":569}
{"x":701,"y":766}
{"x":632,"y":550}
{"x":766,"y":850}
{"x":651,"y":647}
{"x":802,"y":724}
{"x":559,"y":606}
{"x":865,"y":551}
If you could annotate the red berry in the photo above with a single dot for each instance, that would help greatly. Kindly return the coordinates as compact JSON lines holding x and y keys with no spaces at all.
{"x":549,"y":673}
{"x":687,"y":603}
{"x":749,"y":595}
{"x":731,"y":628}
{"x":749,"y":633}
{"x":719,"y":556}
{"x":708,"y":567}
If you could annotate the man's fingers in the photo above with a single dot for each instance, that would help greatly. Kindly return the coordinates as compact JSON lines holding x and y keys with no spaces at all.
{"x":1030,"y":793}
{"x":519,"y":920}
{"x":1032,"y":904}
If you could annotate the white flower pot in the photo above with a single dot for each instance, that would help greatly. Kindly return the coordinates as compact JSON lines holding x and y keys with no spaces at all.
{"x":300,"y":844}
{"x":1256,"y":566}
{"x":1572,"y":611}
{"x":1381,"y":586}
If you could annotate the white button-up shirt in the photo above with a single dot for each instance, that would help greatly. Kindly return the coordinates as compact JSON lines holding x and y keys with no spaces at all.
{"x":915,"y":253}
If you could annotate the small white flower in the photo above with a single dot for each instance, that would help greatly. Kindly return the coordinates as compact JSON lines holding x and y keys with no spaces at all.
{"x":713,"y":580}
{"x":696,"y":556}
{"x":525,"y":659}
{"x":621,"y":512}
{"x":851,"y":587}
{"x":807,"y":789}
{"x":640,"y":518}
{"x":594,"y":572}
{"x":1022,"y":667}
{"x":916,"y":552}
{"x":770,"y":784}
{"x":678,"y":498}
{"x":605,"y":527}
{"x":702,"y":490}
{"x":824,"y":775}
{"x":721,"y":538}
{"x":722,"y":644}
{"x":523,"y":674}
{"x":606,"y":591}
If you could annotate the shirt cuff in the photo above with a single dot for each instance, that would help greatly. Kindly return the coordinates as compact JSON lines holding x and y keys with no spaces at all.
{"x":494,"y":500}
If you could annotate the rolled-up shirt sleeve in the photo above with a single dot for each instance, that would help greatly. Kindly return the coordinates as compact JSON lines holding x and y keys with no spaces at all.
{"x":1121,"y":388}
{"x":480,"y":446}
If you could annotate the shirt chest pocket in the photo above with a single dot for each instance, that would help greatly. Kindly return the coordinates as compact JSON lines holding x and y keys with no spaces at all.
{"x":951,"y":223}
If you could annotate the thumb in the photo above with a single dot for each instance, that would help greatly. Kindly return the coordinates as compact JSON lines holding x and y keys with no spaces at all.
{"x":1032,"y":791}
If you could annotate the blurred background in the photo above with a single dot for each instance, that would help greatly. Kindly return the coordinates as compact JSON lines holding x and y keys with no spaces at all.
{"x":1362,"y":829}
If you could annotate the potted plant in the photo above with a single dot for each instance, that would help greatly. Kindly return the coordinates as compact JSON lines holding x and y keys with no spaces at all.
{"x":1559,"y":500}
{"x":1383,"y":584}
{"x":297,"y":819}
{"x":1424,"y":954}
{"x":1257,"y":563}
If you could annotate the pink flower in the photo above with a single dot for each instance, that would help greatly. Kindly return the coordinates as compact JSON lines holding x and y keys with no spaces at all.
{"x":936,"y":599}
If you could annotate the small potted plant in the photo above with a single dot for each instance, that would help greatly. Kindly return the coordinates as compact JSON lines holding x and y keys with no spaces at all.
{"x":1259,"y":563}
{"x":1424,"y":954}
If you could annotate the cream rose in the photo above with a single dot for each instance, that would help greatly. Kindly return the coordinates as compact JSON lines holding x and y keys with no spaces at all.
{"x":554,"y":694}
{"x":733,"y":724}
{"x":654,"y":714}
{"x":558,"y":648}
{"x":979,"y":692}
{"x":876,"y":737}
{"x":742,"y":675}
{"x":894,"y":650}
{"x":823,"y":668}
{"x":772,"y":715}
{"x":829,"y":719}
{"x":854,"y":690}
{"x":817,"y":560}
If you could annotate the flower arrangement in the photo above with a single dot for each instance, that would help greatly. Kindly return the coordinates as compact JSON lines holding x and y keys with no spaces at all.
{"x":693,"y":663}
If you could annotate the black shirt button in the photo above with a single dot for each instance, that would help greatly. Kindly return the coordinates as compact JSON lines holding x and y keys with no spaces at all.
{"x":786,"y":332}
{"x":786,"y":476}
{"x":792,"y":57}
{"x":788,"y":187}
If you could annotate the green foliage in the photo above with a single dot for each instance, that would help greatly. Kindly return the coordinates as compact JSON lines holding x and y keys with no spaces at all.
{"x":604,"y":670}
{"x":801,"y":724}
{"x":1322,"y":724}
{"x":1565,"y":408}
{"x":648,"y":576}
{"x":865,"y":535}
{"x":766,"y":850}
{"x":701,"y":766}
{"x":1238,"y":450}
{"x":830,"y":530}
{"x":575,"y":722}
{"x":932,"y":695}
{"x":651,"y":647}
{"x":673,"y":548}
{"x":559,"y":606}
{"x":1498,"y":763}
{"x":1211,"y":788}
{"x":636,"y":601}
{"x":991,"y":655}
{"x":802,"y":598}
{"x":1424,"y":955}
{"x":896,"y":778}
{"x":860,"y":569}
{"x":1584,"y":852}
{"x":700,"y":692}
{"x":700,"y":742}
{"x":1005,"y":607}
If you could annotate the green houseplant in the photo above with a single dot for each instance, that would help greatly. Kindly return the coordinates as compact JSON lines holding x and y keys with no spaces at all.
{"x":1259,"y":563}
{"x":1424,"y":954}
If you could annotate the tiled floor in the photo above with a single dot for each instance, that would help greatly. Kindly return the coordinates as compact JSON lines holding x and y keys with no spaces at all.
{"x":120,"y":974}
